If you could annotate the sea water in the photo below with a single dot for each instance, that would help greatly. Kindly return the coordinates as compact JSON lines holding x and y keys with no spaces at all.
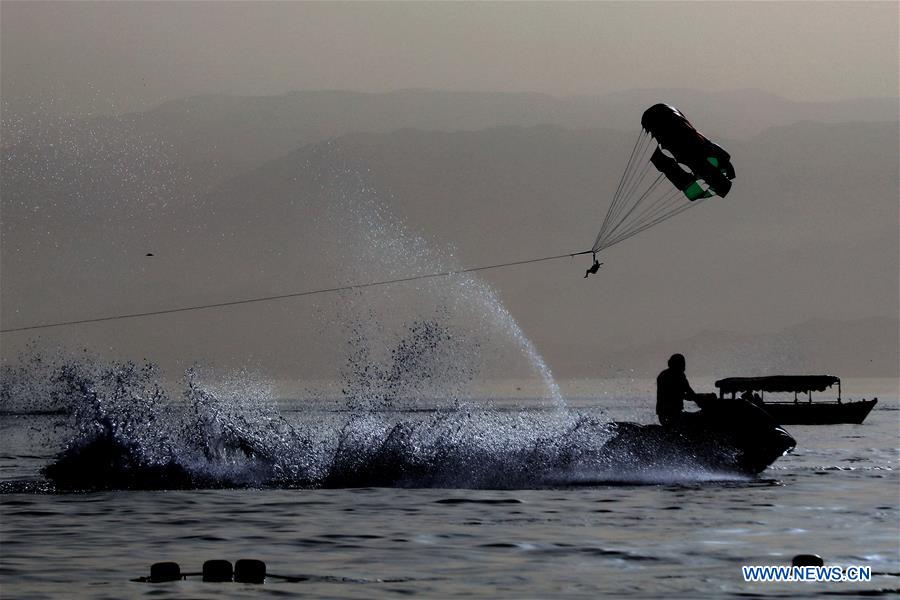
{"x":681,"y":533}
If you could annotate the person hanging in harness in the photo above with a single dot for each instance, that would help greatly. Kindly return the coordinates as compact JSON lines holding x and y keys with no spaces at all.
{"x":594,"y":267}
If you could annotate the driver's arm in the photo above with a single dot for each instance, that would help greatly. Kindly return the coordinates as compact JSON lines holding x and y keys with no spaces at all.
{"x":689,"y":393}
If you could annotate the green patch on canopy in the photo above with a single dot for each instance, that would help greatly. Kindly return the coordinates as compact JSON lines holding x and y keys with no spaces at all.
{"x":695,"y":191}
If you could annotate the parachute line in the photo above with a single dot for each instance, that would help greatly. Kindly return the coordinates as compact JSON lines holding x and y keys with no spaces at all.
{"x":665,"y":201}
{"x":615,"y":199}
{"x":631,"y":180}
{"x":682,"y":156}
{"x":637,"y":203}
{"x":673,"y":212}
{"x":637,"y":178}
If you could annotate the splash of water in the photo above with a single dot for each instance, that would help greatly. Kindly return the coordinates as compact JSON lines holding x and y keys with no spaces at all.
{"x":377,"y":245}
{"x":226,"y":430}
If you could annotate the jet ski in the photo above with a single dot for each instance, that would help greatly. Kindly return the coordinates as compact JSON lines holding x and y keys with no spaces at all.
{"x":728,"y":435}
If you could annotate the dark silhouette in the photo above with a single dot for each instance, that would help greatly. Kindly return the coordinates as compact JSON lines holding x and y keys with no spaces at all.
{"x":218,"y":571}
{"x":805,"y":412}
{"x":164,"y":571}
{"x":807,"y":560}
{"x":249,"y":570}
{"x":687,"y":146}
{"x":672,"y":388}
{"x":594,"y":268}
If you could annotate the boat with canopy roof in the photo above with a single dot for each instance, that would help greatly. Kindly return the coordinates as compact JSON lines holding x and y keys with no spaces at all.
{"x":797,"y":411}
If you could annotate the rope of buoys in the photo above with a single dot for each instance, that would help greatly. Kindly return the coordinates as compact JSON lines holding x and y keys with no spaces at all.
{"x":245,"y":570}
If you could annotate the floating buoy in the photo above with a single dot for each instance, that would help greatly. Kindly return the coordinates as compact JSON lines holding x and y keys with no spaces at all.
{"x":217,"y":571}
{"x":249,"y":570}
{"x":246,"y":570}
{"x":807,"y":560}
{"x":164,"y":571}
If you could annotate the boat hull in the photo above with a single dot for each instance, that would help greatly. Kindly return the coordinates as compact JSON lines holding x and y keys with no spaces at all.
{"x":817,"y":413}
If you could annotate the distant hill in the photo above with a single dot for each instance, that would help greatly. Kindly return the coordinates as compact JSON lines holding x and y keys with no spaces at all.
{"x":217,"y":135}
{"x":222,"y":193}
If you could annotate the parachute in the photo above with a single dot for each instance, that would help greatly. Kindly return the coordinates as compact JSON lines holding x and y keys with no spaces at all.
{"x":696,"y":167}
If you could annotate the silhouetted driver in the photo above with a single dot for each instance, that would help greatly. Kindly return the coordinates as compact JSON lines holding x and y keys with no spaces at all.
{"x":672,"y":388}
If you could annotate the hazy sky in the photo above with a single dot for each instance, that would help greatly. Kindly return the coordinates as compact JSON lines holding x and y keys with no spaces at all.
{"x":122,"y":56}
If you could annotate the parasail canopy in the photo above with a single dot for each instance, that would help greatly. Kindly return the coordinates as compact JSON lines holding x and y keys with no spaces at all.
{"x":671,"y":168}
